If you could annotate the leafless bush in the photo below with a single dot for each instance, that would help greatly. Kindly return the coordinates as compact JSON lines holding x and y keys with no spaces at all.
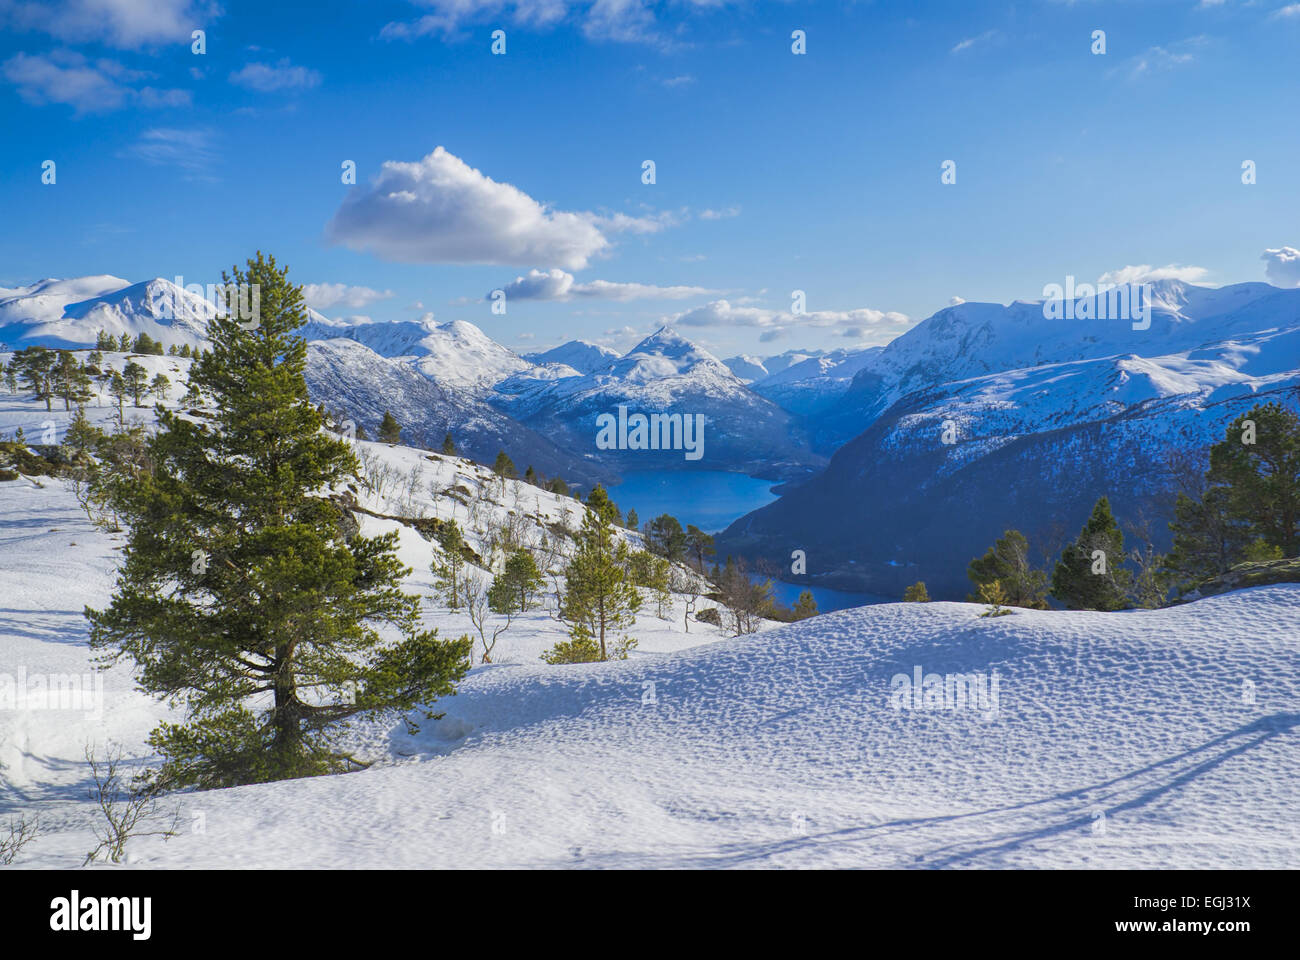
{"x":21,"y":833}
{"x":126,"y":812}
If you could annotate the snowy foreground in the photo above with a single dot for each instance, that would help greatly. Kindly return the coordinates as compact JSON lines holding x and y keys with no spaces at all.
{"x":1140,"y":739}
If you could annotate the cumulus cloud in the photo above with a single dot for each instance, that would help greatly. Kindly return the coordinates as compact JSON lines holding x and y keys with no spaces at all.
{"x":866,"y":323}
{"x":560,"y":286}
{"x":67,"y":77}
{"x":441,"y":210}
{"x":126,"y":24}
{"x":322,"y":296}
{"x":272,"y":78}
{"x":1145,"y":273}
{"x":1282,"y":266}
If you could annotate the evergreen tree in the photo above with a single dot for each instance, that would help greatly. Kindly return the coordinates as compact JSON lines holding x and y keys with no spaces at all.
{"x":390,"y":431}
{"x":513,"y":590}
{"x":124,"y":344}
{"x":1258,"y":465}
{"x":664,"y":536}
{"x":137,"y":380}
{"x":448,"y":570}
{"x":504,"y":466}
{"x":119,"y":391}
{"x":71,"y":380}
{"x":82,"y":436}
{"x":449,"y":445}
{"x":633,"y":521}
{"x":558,"y":486}
{"x":598,"y":599}
{"x":36,"y":369}
{"x":104,"y":341}
{"x":916,"y":593}
{"x":11,"y":375}
{"x":806,"y":606}
{"x":699,"y":545}
{"x":1007,"y":562}
{"x":241,"y":594}
{"x":1089,"y":575}
{"x":160,"y":387}
{"x":530,"y":475}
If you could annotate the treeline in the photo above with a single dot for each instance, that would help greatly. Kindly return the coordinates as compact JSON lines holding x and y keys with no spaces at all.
{"x":1244,"y":506}
{"x":60,"y":374}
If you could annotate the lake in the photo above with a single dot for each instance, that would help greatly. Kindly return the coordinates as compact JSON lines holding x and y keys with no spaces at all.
{"x":712,"y":499}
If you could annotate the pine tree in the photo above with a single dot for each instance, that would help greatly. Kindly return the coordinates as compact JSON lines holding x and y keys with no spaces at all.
{"x":11,"y":375}
{"x":449,"y":445}
{"x":513,"y":590}
{"x":558,"y":486}
{"x":1259,"y":468}
{"x":699,"y":545}
{"x":119,"y":391}
{"x":124,"y":344}
{"x":1089,"y":575}
{"x":137,"y":380}
{"x":104,"y":341}
{"x":448,"y":569}
{"x":633,"y":521}
{"x":390,"y":431}
{"x":504,"y":466}
{"x":598,"y":599}
{"x":665,"y":536}
{"x":916,"y":593}
{"x":160,"y":387}
{"x":81,"y":436}
{"x":36,"y":368}
{"x":241,"y":594}
{"x":806,"y":606}
{"x":1007,"y":562}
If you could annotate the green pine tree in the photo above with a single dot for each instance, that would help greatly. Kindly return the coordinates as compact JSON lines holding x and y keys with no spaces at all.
{"x":916,"y":593}
{"x":448,"y":569}
{"x":806,"y":606}
{"x":504,"y":466}
{"x":512,"y":591}
{"x":1258,"y":465}
{"x":390,"y":431}
{"x":1090,"y":575}
{"x":449,"y":445}
{"x":136,"y":378}
{"x":598,"y":599}
{"x":241,"y":595}
{"x":1007,"y":562}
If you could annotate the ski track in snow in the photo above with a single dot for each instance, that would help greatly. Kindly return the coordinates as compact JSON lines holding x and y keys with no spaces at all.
{"x":1121,"y":740}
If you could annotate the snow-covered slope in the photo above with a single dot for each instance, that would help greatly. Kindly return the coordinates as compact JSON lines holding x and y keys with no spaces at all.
{"x":810,"y":386}
{"x":1147,"y":739}
{"x":70,"y":313}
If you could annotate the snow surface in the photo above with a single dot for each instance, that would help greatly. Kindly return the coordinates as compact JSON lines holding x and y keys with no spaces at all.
{"x":1138,"y":739}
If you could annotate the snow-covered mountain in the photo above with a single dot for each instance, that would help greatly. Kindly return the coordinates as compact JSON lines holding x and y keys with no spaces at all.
{"x":70,"y":313}
{"x":1035,"y":444}
{"x":746,"y":368}
{"x":812,"y":385}
{"x":664,"y":373}
{"x":579,"y":354}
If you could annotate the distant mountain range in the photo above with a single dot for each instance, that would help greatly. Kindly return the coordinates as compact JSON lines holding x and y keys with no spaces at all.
{"x":1046,"y":415}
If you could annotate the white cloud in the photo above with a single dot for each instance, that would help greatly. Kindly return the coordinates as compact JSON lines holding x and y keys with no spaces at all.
{"x":441,"y":210}
{"x":1145,"y":273}
{"x":126,"y":24}
{"x":88,"y":87}
{"x":322,"y":296}
{"x":189,"y":149}
{"x":864,"y":322}
{"x":268,"y":78}
{"x":956,"y":301}
{"x":1161,"y":58}
{"x":720,"y":214}
{"x":559,"y":286}
{"x":1290,"y":12}
{"x":1282,"y":266}
{"x":985,"y":37}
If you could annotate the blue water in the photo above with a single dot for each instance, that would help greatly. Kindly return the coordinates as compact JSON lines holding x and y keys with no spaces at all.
{"x":710,"y":499}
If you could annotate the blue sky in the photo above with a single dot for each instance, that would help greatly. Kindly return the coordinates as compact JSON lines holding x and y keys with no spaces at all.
{"x":775,"y":172}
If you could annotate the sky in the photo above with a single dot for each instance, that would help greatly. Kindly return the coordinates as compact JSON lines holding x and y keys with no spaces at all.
{"x":774,"y":171}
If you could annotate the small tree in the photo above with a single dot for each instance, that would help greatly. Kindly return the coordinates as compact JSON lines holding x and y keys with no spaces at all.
{"x":806,"y":606}
{"x":513,"y":590}
{"x":160,"y":387}
{"x":119,"y":391}
{"x":598,"y":599}
{"x":449,"y":445}
{"x":699,"y":546}
{"x":504,"y":467}
{"x":558,"y":486}
{"x":916,"y":593}
{"x":1089,"y":575}
{"x":664,"y":536}
{"x":530,"y":475}
{"x":124,"y":343}
{"x":447,"y":570}
{"x":993,"y":594}
{"x":1007,"y":562}
{"x":137,"y":380}
{"x":390,"y":431}
{"x":633,"y":521}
